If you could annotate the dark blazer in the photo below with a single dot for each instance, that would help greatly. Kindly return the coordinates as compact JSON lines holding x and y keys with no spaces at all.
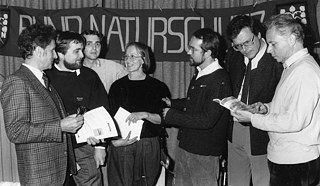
{"x":32,"y":122}
{"x":263,"y":82}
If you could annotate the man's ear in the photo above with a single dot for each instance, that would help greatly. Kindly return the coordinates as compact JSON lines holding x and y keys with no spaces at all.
{"x":208,"y":53}
{"x":38,"y":51}
{"x":259,"y":35}
{"x":292,"y":39}
{"x":60,"y":55}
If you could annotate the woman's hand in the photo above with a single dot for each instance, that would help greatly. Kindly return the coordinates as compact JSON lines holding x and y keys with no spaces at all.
{"x":135,"y":116}
{"x":124,"y":142}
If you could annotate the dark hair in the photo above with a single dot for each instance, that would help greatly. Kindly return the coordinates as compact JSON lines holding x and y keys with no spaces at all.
{"x":241,"y":21}
{"x":65,"y":38}
{"x":211,"y":40}
{"x":92,"y":32}
{"x":33,"y":36}
{"x":145,"y":52}
{"x":285,"y":24}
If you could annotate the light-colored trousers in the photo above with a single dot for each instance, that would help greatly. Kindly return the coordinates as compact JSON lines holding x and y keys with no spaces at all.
{"x":242,"y":166}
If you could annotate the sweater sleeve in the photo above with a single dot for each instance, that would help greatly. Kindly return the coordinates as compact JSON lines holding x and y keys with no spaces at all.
{"x":295,"y":108}
{"x":202,"y":113}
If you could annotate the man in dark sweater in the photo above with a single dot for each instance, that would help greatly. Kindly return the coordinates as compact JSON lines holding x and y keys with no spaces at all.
{"x":79,"y":86}
{"x":203,"y":122}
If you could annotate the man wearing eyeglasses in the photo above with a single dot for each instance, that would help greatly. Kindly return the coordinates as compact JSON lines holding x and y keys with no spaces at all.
{"x":254,"y":76}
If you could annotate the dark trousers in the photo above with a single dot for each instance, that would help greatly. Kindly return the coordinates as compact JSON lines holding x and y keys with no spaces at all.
{"x":136,"y":164}
{"x":302,"y":174}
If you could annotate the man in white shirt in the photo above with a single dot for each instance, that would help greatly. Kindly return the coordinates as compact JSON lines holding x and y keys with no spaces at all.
{"x":292,"y":117}
{"x":34,"y":115}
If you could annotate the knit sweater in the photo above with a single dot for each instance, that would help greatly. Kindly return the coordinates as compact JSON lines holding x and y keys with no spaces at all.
{"x":293,"y":118}
{"x":203,"y":122}
{"x":140,"y":96}
{"x":85,"y":89}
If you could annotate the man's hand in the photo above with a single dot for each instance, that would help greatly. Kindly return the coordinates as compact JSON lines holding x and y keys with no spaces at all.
{"x":124,"y":142}
{"x":100,"y":156}
{"x":167,"y":101}
{"x":93,"y":141}
{"x":164,"y":112}
{"x":242,"y":115}
{"x":259,"y":108}
{"x":71,"y":123}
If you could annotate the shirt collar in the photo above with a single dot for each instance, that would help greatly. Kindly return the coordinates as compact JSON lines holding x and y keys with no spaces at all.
{"x":256,"y":59}
{"x":67,"y":70}
{"x":209,"y":69}
{"x":292,"y":59}
{"x":38,"y":73}
{"x":94,"y":63}
{"x":97,"y":63}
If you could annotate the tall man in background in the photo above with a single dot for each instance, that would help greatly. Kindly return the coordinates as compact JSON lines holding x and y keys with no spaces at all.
{"x":292,"y":117}
{"x":79,"y":86}
{"x":34,"y":117}
{"x":254,"y":76}
{"x":108,"y":71}
{"x":203,"y":122}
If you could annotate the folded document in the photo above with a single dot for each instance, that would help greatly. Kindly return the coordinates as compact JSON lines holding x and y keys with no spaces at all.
{"x":124,"y":126}
{"x":97,"y":123}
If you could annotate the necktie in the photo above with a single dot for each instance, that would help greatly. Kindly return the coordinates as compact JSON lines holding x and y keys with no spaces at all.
{"x":246,"y":86}
{"x":46,"y":81}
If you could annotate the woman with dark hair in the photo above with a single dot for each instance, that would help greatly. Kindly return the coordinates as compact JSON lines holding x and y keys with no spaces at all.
{"x":133,"y":162}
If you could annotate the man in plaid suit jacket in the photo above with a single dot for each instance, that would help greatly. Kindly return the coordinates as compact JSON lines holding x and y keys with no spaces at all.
{"x":34,"y":115}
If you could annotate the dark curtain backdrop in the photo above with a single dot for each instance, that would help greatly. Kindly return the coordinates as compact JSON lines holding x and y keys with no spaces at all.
{"x":176,"y":75}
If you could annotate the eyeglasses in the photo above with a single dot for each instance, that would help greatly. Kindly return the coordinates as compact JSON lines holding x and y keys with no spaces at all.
{"x":130,"y":57}
{"x":239,"y":47}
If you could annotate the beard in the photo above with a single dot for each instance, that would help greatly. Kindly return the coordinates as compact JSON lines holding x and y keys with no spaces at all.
{"x":72,"y":66}
{"x":195,"y":63}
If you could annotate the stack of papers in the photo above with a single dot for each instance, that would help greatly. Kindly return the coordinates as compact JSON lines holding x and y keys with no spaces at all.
{"x":97,"y":123}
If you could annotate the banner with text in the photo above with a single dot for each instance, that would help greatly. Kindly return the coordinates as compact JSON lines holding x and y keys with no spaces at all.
{"x":166,"y":31}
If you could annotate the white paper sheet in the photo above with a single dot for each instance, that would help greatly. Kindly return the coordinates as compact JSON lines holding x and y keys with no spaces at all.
{"x":97,"y":123}
{"x":124,"y":126}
